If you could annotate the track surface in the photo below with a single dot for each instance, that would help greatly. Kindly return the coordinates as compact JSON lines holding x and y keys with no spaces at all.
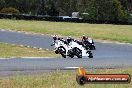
{"x":107,"y":55}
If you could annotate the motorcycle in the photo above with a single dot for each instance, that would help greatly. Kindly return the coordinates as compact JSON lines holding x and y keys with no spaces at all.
{"x":89,"y":44}
{"x":60,"y":47}
{"x":71,"y":49}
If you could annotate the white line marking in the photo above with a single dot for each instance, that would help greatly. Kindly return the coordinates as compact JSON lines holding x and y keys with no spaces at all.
{"x":27,"y":58}
{"x":40,"y":49}
{"x":4,"y":58}
{"x":71,"y":67}
{"x":21,"y":45}
{"x":36,"y":57}
{"x":28,"y":46}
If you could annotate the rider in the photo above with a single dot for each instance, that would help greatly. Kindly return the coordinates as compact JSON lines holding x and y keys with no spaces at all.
{"x":54,"y":37}
{"x":69,"y":39}
{"x":84,"y":38}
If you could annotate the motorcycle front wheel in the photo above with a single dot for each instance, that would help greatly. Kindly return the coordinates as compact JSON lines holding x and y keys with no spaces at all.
{"x":62,"y":51}
{"x":78,"y":52}
{"x":90,"y":55}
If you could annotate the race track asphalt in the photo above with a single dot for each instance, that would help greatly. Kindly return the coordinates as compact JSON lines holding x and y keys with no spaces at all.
{"x":107,"y":55}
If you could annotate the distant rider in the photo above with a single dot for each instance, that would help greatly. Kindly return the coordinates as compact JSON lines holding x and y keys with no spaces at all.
{"x":84,"y":38}
{"x":54,"y":38}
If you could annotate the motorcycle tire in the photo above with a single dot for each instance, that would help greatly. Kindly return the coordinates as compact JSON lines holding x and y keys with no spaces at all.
{"x":63,"y":55}
{"x":62,"y":52}
{"x":94,"y":48}
{"x":90,"y":55}
{"x":57,"y":52}
{"x":78,"y":53}
{"x":71,"y":56}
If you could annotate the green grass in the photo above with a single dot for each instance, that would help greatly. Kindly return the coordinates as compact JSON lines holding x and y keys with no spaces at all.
{"x":60,"y":79}
{"x":121,"y":33}
{"x":8,"y":50}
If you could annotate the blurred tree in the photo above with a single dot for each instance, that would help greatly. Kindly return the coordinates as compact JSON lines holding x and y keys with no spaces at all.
{"x":92,"y":9}
{"x":10,"y":10}
{"x":102,"y":10}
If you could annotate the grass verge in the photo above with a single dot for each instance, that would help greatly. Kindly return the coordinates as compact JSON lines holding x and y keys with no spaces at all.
{"x":60,"y":79}
{"x":8,"y":50}
{"x":121,"y":33}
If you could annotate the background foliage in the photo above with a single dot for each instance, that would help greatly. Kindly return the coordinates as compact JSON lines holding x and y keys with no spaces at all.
{"x":114,"y":10}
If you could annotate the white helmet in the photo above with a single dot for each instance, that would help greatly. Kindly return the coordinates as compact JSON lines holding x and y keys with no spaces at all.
{"x":54,"y":37}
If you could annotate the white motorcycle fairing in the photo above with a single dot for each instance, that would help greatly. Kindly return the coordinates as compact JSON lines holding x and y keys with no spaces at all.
{"x":73,"y":44}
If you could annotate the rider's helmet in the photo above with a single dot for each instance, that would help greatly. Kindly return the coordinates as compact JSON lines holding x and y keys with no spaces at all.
{"x":54,"y":37}
{"x":59,"y":38}
{"x":84,"y":37}
{"x":69,"y":39}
